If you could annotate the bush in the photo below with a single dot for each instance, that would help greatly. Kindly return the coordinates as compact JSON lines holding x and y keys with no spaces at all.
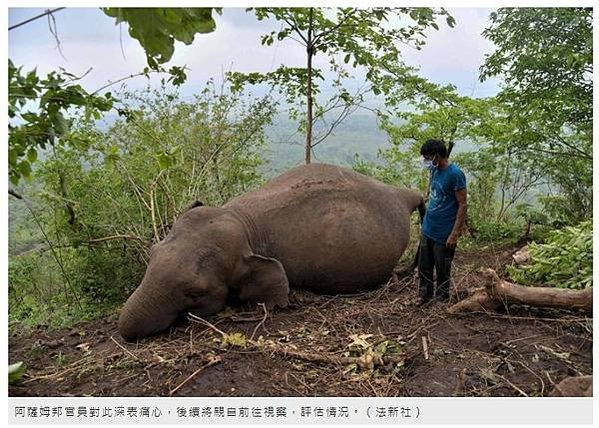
{"x":108,"y":196}
{"x":565,"y":260}
{"x":41,"y":296}
{"x":497,"y":232}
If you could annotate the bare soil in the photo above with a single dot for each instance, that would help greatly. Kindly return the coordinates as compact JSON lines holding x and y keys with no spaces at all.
{"x":371,"y":344}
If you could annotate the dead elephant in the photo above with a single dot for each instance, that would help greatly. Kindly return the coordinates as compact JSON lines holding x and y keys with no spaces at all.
{"x":320,"y":227}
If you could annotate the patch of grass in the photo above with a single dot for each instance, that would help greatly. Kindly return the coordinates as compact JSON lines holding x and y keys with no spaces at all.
{"x":56,"y":313}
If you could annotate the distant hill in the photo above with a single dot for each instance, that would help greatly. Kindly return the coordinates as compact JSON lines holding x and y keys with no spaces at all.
{"x":357,"y":134}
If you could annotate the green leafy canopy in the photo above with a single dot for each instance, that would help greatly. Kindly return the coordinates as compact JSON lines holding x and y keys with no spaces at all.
{"x":157,"y":29}
{"x":40,"y":109}
{"x":38,"y":113}
{"x":368,"y":38}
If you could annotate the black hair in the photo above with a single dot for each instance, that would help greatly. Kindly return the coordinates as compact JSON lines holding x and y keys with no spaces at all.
{"x":434,"y":147}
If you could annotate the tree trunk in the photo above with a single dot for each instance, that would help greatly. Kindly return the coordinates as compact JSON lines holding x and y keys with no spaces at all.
{"x":450,"y":145}
{"x":68,"y":205}
{"x":499,"y":292}
{"x":310,"y":53}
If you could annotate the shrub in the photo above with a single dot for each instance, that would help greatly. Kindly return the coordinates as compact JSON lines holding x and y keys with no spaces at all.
{"x":104,"y":199}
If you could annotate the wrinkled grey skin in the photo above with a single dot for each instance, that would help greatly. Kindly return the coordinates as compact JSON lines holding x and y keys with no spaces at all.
{"x":320,"y":227}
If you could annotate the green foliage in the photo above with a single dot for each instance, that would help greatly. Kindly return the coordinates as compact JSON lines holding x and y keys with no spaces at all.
{"x":491,"y":233}
{"x":157,"y":29}
{"x":39,"y":295}
{"x":545,"y":57}
{"x":41,"y":113}
{"x":557,"y":210}
{"x":369,"y":357}
{"x":479,"y":129}
{"x":362,"y":36}
{"x":436,"y":111}
{"x":512,"y":147}
{"x":37,"y":111}
{"x":40,"y":110}
{"x":234,"y":340}
{"x":108,"y":196}
{"x":399,"y":168}
{"x":532,"y":214}
{"x":565,"y":260}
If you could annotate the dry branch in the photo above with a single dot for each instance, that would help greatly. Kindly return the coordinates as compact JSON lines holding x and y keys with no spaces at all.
{"x":499,"y":293}
{"x":479,"y":301}
{"x":124,"y":349}
{"x":424,"y":347}
{"x":368,"y":361}
{"x":212,"y":362}
{"x":261,"y":322}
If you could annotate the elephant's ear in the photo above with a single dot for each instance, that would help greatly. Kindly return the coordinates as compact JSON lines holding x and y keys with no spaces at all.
{"x":266,"y":282}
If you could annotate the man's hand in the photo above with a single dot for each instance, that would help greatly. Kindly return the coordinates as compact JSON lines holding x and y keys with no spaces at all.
{"x":452,"y":240}
{"x":461,"y":197}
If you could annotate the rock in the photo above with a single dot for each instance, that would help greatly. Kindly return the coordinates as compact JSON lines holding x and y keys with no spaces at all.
{"x":574,"y":386}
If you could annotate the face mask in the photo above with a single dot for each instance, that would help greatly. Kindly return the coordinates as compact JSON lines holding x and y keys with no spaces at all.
{"x":427,"y":164}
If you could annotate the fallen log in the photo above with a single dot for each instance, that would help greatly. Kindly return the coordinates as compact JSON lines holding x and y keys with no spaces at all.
{"x":499,"y":293}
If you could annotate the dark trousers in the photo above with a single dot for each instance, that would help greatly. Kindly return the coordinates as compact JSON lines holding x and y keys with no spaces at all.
{"x":438,"y":257}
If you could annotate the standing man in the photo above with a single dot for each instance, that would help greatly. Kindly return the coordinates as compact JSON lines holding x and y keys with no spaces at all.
{"x":443,"y":222}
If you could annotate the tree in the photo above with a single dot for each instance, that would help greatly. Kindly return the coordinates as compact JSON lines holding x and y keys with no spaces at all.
{"x":480,"y":127}
{"x":39,"y":108}
{"x":537,"y":131}
{"x":103,"y":198}
{"x":545,"y":57}
{"x":364,"y":37}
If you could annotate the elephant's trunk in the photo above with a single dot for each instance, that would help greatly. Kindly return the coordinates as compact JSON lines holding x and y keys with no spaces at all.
{"x":143,"y":315}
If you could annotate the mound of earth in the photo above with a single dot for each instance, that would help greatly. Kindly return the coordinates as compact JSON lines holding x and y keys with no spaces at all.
{"x":372,"y":344}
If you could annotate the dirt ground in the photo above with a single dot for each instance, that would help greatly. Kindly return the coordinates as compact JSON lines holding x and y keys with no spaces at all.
{"x":372,"y":344}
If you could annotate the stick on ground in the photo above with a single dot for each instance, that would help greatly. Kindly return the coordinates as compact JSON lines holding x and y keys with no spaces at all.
{"x":212,"y":362}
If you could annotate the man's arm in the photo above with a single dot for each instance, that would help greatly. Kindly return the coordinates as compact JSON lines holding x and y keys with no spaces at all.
{"x":460,"y":219}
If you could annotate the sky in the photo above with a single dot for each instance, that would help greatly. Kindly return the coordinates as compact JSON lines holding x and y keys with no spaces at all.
{"x":90,"y":39}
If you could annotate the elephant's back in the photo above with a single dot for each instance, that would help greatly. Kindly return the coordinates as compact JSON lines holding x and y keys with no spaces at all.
{"x":334,"y":230}
{"x":305,"y":182}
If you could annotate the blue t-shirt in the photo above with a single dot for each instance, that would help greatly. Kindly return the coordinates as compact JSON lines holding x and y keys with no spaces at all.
{"x":443,"y":205}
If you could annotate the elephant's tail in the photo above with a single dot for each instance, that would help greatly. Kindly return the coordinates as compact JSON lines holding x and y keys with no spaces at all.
{"x":421,"y":212}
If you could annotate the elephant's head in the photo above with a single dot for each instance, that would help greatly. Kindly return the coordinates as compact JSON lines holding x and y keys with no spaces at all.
{"x":205,"y":259}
